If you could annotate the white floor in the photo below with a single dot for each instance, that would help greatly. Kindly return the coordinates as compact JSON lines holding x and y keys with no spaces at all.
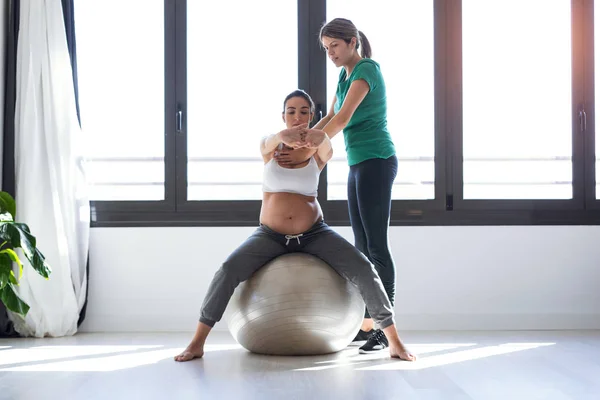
{"x":452,"y":365}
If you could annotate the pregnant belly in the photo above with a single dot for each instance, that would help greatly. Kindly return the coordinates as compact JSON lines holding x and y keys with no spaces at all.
{"x":289,"y":213}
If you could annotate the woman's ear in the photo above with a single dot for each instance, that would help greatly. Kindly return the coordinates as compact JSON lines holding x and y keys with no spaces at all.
{"x":283,"y":116}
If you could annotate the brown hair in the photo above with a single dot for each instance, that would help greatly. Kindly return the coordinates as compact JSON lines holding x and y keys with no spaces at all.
{"x":344,"y":29}
{"x":304,"y":95}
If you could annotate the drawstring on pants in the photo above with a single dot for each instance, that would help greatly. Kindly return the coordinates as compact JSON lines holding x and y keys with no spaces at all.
{"x":289,"y":237}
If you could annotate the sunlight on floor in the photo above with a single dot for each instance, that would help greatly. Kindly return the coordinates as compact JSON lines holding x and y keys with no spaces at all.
{"x":351,"y":358}
{"x":86,"y":357}
{"x":456,"y":357}
{"x":417,"y":348}
{"x":44,"y":353}
{"x":120,"y":357}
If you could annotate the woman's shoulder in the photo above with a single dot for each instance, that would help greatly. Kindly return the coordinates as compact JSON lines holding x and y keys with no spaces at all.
{"x":367,"y":64}
{"x":367,"y":70}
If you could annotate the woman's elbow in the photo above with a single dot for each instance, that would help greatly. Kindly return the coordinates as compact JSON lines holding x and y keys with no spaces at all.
{"x":327,"y":156}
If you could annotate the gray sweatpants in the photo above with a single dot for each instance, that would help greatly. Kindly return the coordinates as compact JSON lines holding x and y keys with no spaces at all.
{"x":320,"y":241}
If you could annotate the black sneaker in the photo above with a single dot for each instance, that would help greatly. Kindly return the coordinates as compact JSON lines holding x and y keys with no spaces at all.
{"x":376,"y":342}
{"x":362,"y":336}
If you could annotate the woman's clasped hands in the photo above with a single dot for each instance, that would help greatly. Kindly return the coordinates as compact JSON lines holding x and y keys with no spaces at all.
{"x":301,"y":136}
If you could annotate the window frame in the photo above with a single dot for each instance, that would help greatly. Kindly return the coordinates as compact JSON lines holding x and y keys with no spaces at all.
{"x":447,"y":208}
{"x":576,"y":203}
{"x":589,"y":134}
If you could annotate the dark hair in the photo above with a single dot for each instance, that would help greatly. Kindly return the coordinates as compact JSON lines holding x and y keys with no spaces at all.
{"x":304,"y":95}
{"x":341,"y":28}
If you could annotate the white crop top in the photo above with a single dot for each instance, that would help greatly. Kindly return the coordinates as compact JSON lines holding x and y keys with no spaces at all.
{"x":303,"y":180}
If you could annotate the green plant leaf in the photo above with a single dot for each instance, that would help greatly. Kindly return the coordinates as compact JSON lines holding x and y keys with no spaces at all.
{"x":7,"y":204}
{"x":5,"y":271}
{"x":14,"y":257}
{"x":13,"y":278}
{"x":7,"y":256}
{"x":18,"y":235}
{"x":12,"y":301}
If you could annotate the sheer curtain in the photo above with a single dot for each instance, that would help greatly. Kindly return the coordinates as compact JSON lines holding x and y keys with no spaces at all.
{"x":51,"y":193}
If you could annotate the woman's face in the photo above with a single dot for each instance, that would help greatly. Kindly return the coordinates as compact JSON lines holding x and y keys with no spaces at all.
{"x":297,"y":112}
{"x":338,"y":50}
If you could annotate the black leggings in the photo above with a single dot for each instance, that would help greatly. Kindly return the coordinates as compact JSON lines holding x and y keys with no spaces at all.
{"x":369,"y":205}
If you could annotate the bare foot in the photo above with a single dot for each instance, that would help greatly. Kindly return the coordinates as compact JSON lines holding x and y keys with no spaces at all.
{"x":402,"y":353}
{"x":192,"y":351}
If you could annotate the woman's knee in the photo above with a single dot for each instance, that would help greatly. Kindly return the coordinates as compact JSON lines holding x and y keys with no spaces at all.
{"x":365,"y":273}
{"x":379,"y":251}
{"x":230,"y":271}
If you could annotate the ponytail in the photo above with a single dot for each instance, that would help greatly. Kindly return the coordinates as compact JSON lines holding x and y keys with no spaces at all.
{"x":366,"y":46}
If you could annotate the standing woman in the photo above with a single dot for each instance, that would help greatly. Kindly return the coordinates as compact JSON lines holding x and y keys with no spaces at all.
{"x":359,"y":108}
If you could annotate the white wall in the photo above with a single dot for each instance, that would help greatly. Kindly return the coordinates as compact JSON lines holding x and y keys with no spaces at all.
{"x":154,"y":279}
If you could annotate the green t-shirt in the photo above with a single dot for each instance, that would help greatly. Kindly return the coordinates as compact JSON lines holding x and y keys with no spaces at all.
{"x":366,"y":136}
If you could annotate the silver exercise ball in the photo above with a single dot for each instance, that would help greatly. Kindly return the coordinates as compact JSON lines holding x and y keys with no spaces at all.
{"x":295,"y":305}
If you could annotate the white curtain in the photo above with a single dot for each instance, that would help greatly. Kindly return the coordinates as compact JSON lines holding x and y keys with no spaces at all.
{"x":51,"y":193}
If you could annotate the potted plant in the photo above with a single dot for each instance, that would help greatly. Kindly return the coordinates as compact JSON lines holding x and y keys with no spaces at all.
{"x":14,"y":235}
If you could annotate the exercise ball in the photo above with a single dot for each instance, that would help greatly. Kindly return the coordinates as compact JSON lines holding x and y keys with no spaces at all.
{"x":295,"y":305}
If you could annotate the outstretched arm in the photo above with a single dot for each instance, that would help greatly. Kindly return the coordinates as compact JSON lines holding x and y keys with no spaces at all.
{"x":318,"y":139}
{"x":268,"y":145}
{"x":325,"y":151}
{"x":356,"y":94}
{"x":321,"y":124}
{"x":293,"y":137}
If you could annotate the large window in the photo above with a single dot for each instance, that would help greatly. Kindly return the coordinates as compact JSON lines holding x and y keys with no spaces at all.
{"x":239,"y":70}
{"x":121,"y":95}
{"x":401,"y":37}
{"x":490,"y":106}
{"x":517,"y":119}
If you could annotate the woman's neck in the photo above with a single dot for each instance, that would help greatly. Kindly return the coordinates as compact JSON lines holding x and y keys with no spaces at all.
{"x":351,"y":64}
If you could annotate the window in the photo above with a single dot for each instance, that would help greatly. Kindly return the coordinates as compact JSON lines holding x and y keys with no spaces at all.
{"x":121,"y":96}
{"x":483,"y":106}
{"x":401,"y":37}
{"x":239,"y":70}
{"x":517,"y":106}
